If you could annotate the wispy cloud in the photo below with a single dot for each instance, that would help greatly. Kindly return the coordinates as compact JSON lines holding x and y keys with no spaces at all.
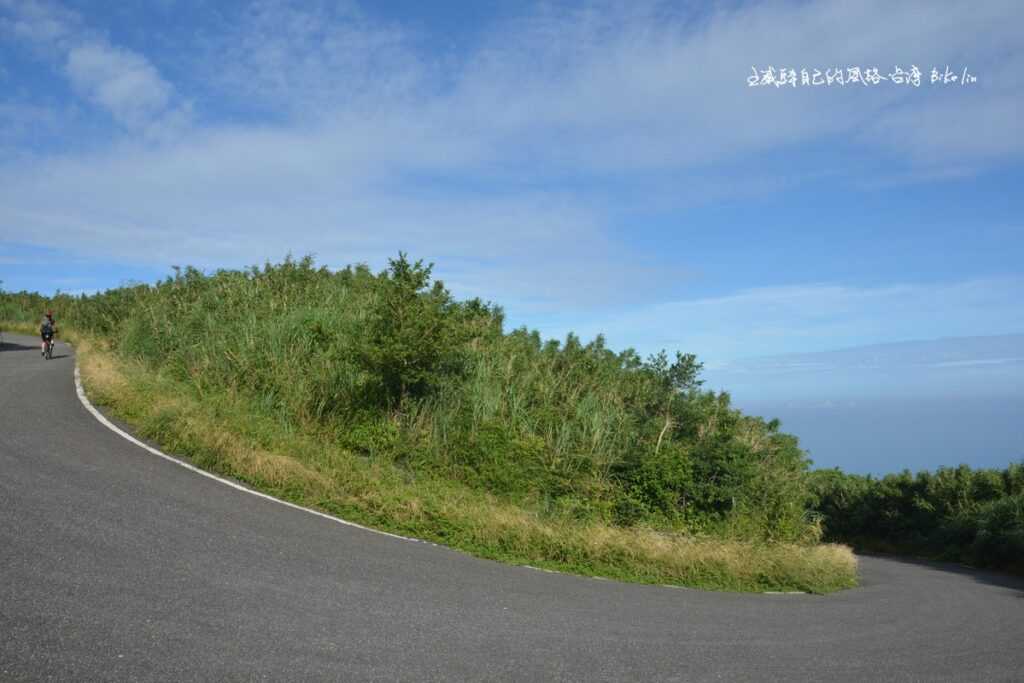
{"x":954,"y":368}
{"x":765,"y":321}
{"x":979,"y":361}
{"x":121,"y":82}
{"x":48,"y":26}
{"x":307,"y":60}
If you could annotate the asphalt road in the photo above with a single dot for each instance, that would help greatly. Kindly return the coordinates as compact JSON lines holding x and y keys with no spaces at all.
{"x":118,"y":565}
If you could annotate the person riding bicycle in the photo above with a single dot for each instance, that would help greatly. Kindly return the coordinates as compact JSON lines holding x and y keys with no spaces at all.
{"x":47,"y":330}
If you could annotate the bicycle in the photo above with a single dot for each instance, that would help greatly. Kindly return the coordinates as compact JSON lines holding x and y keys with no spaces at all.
{"x":48,"y":351}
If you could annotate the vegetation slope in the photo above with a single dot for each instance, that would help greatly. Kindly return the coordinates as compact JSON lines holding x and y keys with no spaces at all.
{"x":382,"y":398}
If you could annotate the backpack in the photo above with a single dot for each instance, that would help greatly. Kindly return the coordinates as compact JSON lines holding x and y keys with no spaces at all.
{"x":47,"y":328}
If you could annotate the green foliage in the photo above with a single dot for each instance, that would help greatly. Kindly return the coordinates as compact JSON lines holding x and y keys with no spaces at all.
{"x":392,"y":367}
{"x":413,"y":332}
{"x":959,"y":514}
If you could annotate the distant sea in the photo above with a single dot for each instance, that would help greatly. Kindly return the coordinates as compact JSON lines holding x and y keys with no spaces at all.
{"x":888,"y":407}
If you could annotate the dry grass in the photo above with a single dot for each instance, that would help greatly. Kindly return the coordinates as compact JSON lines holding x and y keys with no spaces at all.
{"x":20,"y":328}
{"x":221,"y":435}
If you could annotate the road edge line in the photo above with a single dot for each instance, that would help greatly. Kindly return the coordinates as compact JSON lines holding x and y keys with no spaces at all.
{"x":102,"y":419}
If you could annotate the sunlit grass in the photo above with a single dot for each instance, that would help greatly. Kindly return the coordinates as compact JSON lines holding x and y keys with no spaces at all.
{"x":222,"y":434}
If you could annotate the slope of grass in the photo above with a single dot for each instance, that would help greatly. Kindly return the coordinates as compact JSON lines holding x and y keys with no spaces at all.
{"x":381,"y":398}
{"x":222,"y":434}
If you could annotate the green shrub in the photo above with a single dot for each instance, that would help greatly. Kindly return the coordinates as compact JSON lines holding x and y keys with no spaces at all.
{"x":958,"y":514}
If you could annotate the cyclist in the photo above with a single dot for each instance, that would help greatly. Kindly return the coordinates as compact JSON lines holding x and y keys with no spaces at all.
{"x":47,"y":329}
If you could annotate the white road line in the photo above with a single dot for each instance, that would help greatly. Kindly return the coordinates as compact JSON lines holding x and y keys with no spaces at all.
{"x":227,"y":482}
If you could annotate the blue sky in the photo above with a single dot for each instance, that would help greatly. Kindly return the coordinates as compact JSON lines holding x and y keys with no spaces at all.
{"x":596,"y":167}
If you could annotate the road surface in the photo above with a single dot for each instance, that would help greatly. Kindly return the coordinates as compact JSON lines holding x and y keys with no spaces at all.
{"x":118,"y":565}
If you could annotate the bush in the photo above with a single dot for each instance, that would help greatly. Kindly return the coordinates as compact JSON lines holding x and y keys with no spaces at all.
{"x":959,"y":514}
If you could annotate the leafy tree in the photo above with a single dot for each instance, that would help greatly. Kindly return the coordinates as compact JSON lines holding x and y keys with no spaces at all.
{"x":410,"y":339}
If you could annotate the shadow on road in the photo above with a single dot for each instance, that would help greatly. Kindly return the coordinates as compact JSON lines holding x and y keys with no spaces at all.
{"x":985,"y":576}
{"x":11,"y":346}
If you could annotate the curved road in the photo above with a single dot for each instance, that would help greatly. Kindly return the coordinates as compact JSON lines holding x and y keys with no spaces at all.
{"x":118,"y":565}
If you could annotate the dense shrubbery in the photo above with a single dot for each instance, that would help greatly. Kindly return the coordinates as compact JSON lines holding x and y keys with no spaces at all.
{"x":391,"y":366}
{"x":960,"y":514}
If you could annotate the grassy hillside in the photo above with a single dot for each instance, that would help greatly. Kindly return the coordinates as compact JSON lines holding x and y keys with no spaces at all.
{"x":380,"y":397}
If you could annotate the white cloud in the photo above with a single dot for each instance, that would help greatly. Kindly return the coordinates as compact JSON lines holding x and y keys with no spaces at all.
{"x":123,"y":83}
{"x":609,"y":88}
{"x":46,"y":25}
{"x":239,"y":199}
{"x":613,"y":88}
{"x":308,"y":58}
